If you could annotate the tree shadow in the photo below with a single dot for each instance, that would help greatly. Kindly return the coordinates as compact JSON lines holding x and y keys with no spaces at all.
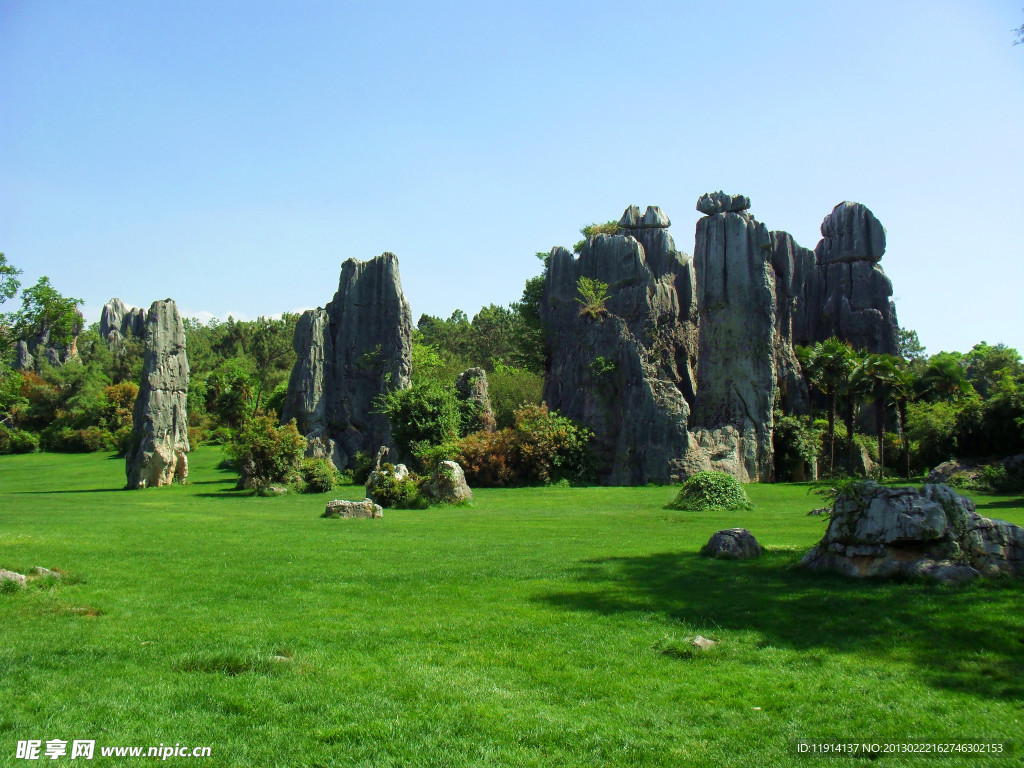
{"x":969,"y":639}
{"x":1004,"y":504}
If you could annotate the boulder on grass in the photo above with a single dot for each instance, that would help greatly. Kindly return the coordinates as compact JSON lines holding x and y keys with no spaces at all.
{"x":343,"y":508}
{"x":448,"y":484}
{"x":17,"y":578}
{"x":732,"y":544}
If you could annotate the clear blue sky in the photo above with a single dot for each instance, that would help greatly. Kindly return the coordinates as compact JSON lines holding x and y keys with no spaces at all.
{"x":231,"y":155}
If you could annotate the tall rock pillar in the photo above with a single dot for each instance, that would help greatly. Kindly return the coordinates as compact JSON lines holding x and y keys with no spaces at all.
{"x":159,"y":446}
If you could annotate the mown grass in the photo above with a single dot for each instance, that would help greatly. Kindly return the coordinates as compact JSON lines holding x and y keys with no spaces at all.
{"x":540,"y":626}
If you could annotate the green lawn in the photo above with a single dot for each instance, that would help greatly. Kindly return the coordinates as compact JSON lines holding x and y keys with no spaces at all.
{"x":542,"y":626}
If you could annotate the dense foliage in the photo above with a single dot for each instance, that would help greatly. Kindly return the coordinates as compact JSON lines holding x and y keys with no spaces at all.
{"x":266,"y":453}
{"x":707,"y":491}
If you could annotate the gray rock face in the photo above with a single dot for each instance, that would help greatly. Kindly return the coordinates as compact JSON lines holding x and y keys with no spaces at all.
{"x":795,"y":291}
{"x":732,"y":544}
{"x":718,"y":202}
{"x":24,"y":360}
{"x":117,"y":321}
{"x":448,"y":484}
{"x":736,"y":359}
{"x":653,"y":218}
{"x":627,"y":375}
{"x":342,"y":508}
{"x":159,"y":446}
{"x":850,"y":233}
{"x":901,"y":532}
{"x":471,"y":386}
{"x":355,"y":349}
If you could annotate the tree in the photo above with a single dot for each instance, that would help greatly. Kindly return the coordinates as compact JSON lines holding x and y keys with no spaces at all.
{"x":877,"y":376}
{"x":827,"y":366}
{"x":47,"y":315}
{"x":944,"y":378}
{"x":910,"y":347}
{"x":9,"y":283}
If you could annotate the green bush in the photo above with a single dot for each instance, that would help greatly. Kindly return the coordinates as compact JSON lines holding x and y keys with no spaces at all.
{"x":364,"y":466}
{"x":511,"y":388}
{"x":266,"y":453}
{"x":62,"y":439}
{"x":427,"y":412}
{"x":389,"y":490}
{"x":706,"y":491}
{"x":796,"y":444}
{"x":17,"y":441}
{"x":593,"y":294}
{"x":319,"y":475}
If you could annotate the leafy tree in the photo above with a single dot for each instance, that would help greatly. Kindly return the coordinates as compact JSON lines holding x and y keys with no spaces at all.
{"x":877,"y":376}
{"x":987,"y":366}
{"x":45,"y":313}
{"x":910,"y":347}
{"x":827,"y":367}
{"x":9,"y":283}
{"x":943,"y":378}
{"x":266,"y":453}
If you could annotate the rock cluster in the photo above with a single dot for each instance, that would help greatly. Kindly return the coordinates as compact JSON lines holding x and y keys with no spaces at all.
{"x":906,"y":532}
{"x":356,"y":348}
{"x":680,"y":368}
{"x":118,"y":320}
{"x":732,"y":544}
{"x":159,"y":445}
{"x":342,"y":508}
{"x":29,"y":353}
{"x":626,"y":376}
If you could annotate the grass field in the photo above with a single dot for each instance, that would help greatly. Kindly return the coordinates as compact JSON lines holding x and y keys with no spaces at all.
{"x":540,"y":626}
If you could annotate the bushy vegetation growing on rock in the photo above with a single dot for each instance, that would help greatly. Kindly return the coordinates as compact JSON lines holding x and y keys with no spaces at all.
{"x":706,"y":491}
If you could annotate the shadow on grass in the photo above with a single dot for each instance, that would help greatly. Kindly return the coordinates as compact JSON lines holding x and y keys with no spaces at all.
{"x":80,"y":490}
{"x":969,"y":639}
{"x":1004,"y":504}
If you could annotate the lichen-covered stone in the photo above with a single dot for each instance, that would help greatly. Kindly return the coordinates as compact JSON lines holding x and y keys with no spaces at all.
{"x":348,"y":354}
{"x":732,"y":544}
{"x":901,"y":532}
{"x":471,"y":387}
{"x":342,"y":508}
{"x":159,"y":445}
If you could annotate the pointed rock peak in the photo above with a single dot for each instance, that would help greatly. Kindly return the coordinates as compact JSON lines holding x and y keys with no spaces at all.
{"x":718,"y":202}
{"x":654,"y":218}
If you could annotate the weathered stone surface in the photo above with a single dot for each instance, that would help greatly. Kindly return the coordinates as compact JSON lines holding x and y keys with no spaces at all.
{"x":118,"y":320}
{"x":732,"y":544}
{"x":342,"y":508}
{"x":948,"y":470}
{"x":23,"y":359}
{"x":652,"y":218}
{"x":850,"y":233}
{"x":349,"y":353}
{"x":718,"y":202}
{"x":17,"y":578}
{"x":448,"y":484}
{"x":795,"y":291}
{"x":901,"y":532}
{"x":159,"y":445}
{"x":736,"y":359}
{"x":471,"y":386}
{"x":625,"y":376}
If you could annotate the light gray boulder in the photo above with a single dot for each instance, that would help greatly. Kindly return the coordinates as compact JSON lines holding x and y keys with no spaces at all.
{"x":471,"y":387}
{"x":732,"y":544}
{"x":905,"y":532}
{"x":16,"y":578}
{"x":158,"y":452}
{"x":342,"y":508}
{"x":448,"y":484}
{"x":625,"y":374}
{"x":348,"y":354}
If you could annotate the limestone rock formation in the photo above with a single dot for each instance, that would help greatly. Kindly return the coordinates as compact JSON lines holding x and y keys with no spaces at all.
{"x":625,"y":372}
{"x":342,"y":508}
{"x":471,"y":387}
{"x":23,"y":359}
{"x":850,"y":233}
{"x":732,"y":544}
{"x":349,"y":353}
{"x":29,"y":352}
{"x":736,"y":358}
{"x":118,"y":320}
{"x":718,"y":202}
{"x":901,"y":532}
{"x":448,"y":484}
{"x":159,"y":445}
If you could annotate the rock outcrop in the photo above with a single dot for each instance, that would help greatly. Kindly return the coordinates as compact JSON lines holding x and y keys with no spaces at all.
{"x":118,"y":320}
{"x":43,"y":346}
{"x":356,"y":348}
{"x":342,"y":508}
{"x":736,"y":359}
{"x":732,"y":544}
{"x":625,"y":369}
{"x":471,"y":387}
{"x":159,"y":444}
{"x":906,"y":532}
{"x":448,"y":484}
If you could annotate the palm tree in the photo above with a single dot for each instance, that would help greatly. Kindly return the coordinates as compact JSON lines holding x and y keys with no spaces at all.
{"x":944,"y":379}
{"x":827,"y":367}
{"x":904,"y":385}
{"x":876,"y":376}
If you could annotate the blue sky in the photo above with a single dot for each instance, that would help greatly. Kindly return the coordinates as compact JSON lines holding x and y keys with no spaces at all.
{"x":231,"y":155}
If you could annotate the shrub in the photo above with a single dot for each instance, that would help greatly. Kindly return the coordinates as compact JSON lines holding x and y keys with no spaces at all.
{"x":17,"y":441}
{"x":394,"y":491}
{"x":706,"y":491}
{"x":510,"y":388}
{"x":796,"y":444}
{"x":427,"y":412}
{"x":62,"y":439}
{"x":608,"y":228}
{"x":488,"y":459}
{"x":319,"y":475}
{"x":266,"y":453}
{"x":593,"y":296}
{"x":364,"y":466}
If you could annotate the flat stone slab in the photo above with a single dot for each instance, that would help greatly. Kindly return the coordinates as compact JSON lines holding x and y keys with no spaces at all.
{"x":343,"y":508}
